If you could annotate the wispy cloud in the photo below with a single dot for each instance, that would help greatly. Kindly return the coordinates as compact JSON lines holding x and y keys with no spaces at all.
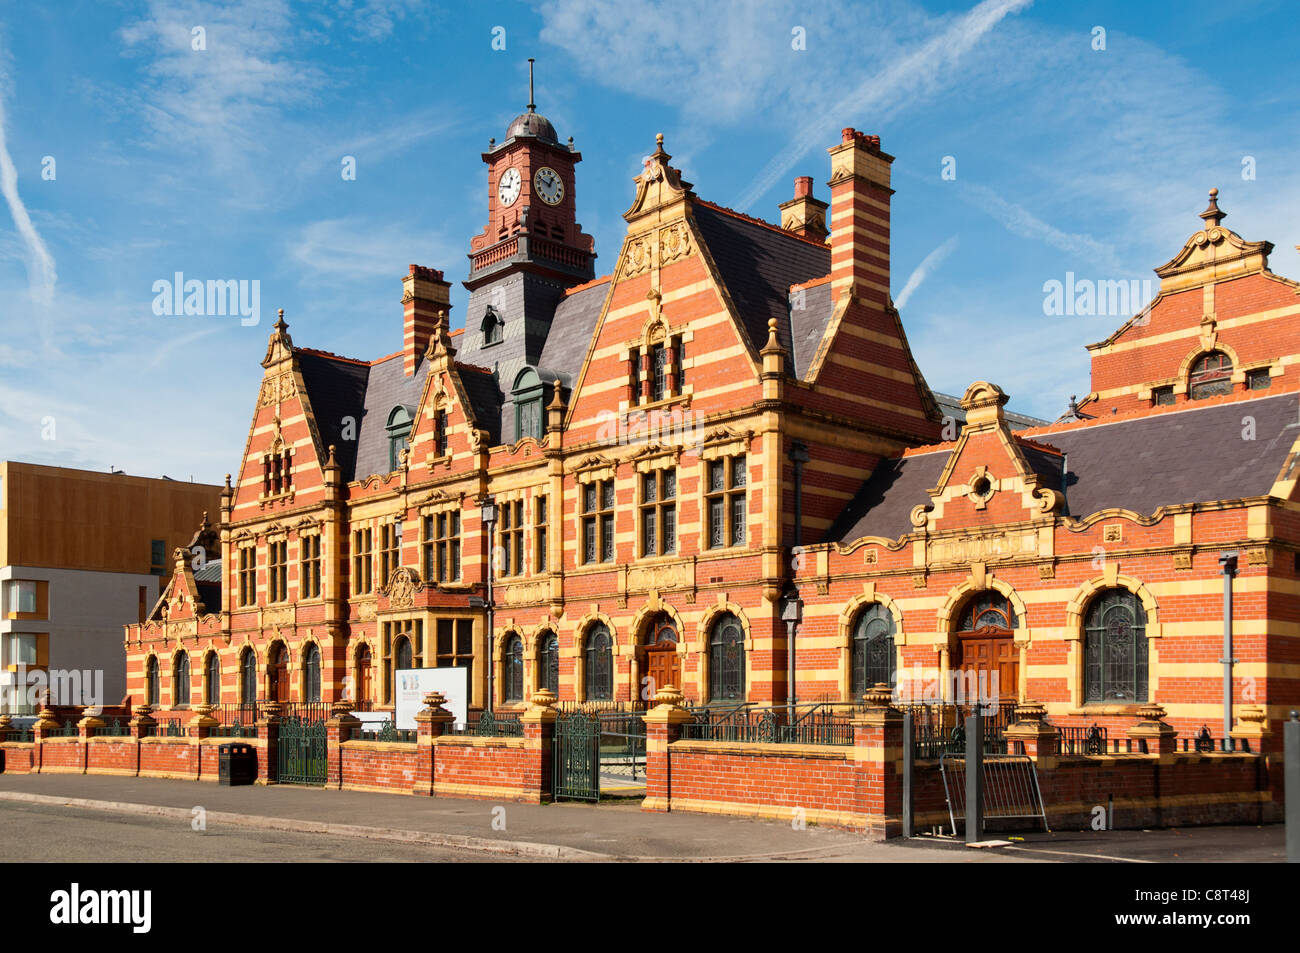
{"x":922,"y":271}
{"x":1020,"y":221}
{"x":914,"y":76}
{"x":41,"y":274}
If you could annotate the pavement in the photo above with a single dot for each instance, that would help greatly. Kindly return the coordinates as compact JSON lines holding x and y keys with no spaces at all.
{"x":328,"y":825}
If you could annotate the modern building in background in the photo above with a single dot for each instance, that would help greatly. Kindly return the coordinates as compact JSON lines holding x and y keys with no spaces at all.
{"x":81,"y":554}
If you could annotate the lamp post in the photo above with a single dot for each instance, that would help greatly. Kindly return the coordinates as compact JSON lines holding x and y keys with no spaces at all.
{"x":791,"y":615}
{"x":1228,"y":564}
{"x":488,"y":516}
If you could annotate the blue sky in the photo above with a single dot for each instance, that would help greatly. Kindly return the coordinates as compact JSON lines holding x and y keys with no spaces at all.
{"x":225,"y":163}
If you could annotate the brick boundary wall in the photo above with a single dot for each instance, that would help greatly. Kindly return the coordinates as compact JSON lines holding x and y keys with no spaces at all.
{"x":856,"y":787}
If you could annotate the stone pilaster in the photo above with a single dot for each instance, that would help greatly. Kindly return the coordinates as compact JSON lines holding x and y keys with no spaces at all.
{"x":663,"y":726}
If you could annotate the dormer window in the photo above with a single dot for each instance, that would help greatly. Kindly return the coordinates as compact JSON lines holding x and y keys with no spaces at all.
{"x":528,"y":392}
{"x":493,"y":327}
{"x":399,"y":434}
{"x":1211,"y":376}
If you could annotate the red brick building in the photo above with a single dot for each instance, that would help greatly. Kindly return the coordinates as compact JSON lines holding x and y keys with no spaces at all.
{"x":733,"y":414}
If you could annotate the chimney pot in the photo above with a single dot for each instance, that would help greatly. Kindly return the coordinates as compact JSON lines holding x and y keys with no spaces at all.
{"x":803,"y":186}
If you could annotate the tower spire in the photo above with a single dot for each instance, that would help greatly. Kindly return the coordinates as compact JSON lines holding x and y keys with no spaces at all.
{"x":532,"y":106}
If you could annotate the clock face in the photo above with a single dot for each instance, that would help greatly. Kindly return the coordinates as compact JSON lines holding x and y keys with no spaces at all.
{"x":549,"y":186}
{"x":508,"y":187}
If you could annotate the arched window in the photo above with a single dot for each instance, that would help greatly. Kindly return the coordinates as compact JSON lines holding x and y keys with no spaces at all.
{"x":493,"y":327}
{"x":549,"y":663}
{"x":727,"y":659}
{"x":212,"y":680}
{"x":364,"y":676}
{"x":151,"y":688}
{"x":311,"y":674}
{"x":599,"y":675}
{"x":1115,"y":648}
{"x":872,"y":651}
{"x":1211,"y":375}
{"x":181,"y":681}
{"x":247,"y":678}
{"x":514,"y":665}
{"x":988,"y":610}
{"x":399,"y":434}
{"x":402,"y":653}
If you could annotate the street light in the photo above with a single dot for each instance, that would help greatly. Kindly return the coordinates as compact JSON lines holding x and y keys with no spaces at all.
{"x":488,"y":516}
{"x":791,"y":615}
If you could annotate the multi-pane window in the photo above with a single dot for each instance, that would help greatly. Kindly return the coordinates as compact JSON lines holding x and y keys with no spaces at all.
{"x":1258,"y":379}
{"x":598,"y":676}
{"x":871,"y":654}
{"x":247,"y":678}
{"x":634,"y":375}
{"x":152,"y":689}
{"x":212,"y":680}
{"x":659,"y":512}
{"x":529,"y":421}
{"x":311,"y":673}
{"x":514,"y":669}
{"x":724,"y":501}
{"x":442,"y":546}
{"x":247,"y":575}
{"x":277,"y":472}
{"x":598,"y":522}
{"x":390,"y":550}
{"x":20,"y":649}
{"x":1211,"y":375}
{"x":362,"y":562}
{"x":540,"y":520}
{"x":659,"y":356}
{"x":455,"y":647}
{"x":181,"y":682}
{"x":403,"y":647}
{"x":400,"y":423}
{"x":548,"y":660}
{"x":440,"y":433}
{"x":277,"y":571}
{"x":512,"y":538}
{"x":727,"y":659}
{"x":1115,"y":648}
{"x":309,"y":568}
{"x":1162,"y":396}
{"x":679,"y":360}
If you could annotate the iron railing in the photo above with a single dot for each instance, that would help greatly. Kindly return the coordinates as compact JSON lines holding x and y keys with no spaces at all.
{"x":114,"y":729}
{"x":233,"y":730}
{"x":1078,"y":739}
{"x":486,"y":724}
{"x":941,"y":729}
{"x":387,"y":732}
{"x":814,"y":725}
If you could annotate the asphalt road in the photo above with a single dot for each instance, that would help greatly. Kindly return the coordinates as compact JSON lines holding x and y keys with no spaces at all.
{"x":72,"y":835}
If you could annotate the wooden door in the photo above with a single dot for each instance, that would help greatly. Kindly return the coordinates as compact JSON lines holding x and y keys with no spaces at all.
{"x":280,"y":676}
{"x":363,"y":675}
{"x":990,"y":660}
{"x":663,"y":665}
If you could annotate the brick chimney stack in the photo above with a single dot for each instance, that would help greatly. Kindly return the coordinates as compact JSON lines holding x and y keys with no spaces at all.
{"x":860,"y":196}
{"x":424,"y":294}
{"x":803,"y":214}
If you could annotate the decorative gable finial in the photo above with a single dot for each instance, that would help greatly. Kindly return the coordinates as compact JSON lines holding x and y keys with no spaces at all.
{"x":1213,"y":215}
{"x":280,"y":345}
{"x":658,"y":185}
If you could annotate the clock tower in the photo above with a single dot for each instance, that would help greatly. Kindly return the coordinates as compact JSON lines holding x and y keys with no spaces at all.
{"x":530,"y":253}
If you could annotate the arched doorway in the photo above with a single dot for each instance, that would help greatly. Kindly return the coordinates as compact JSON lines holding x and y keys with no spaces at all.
{"x":278,"y":673}
{"x":985,"y":652}
{"x":663,"y":665}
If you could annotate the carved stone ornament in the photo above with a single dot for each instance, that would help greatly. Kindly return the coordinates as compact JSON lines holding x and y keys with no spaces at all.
{"x":402,"y":587}
{"x":277,"y":389}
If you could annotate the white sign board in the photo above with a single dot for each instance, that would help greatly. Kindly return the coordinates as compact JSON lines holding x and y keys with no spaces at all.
{"x":414,"y":683}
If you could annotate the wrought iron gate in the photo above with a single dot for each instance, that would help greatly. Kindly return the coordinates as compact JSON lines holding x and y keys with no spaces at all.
{"x":302,"y":757}
{"x":576,"y":757}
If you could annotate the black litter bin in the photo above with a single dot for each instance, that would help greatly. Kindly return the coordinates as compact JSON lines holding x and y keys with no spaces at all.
{"x":236,"y":764}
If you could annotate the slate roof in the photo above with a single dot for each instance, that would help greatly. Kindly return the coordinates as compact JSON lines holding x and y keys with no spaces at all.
{"x":570,"y":335}
{"x":207,"y":580}
{"x":808,"y":324}
{"x":1196,"y":455}
{"x":484,"y":398}
{"x":387,"y":388}
{"x":950,"y":406}
{"x":758,"y":263}
{"x":336,"y":388}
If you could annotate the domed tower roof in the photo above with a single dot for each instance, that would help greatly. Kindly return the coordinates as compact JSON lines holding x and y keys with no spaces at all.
{"x":532,"y":124}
